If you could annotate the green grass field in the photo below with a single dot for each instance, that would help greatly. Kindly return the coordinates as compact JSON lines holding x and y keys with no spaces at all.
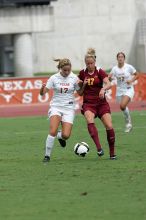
{"x":71,"y":187}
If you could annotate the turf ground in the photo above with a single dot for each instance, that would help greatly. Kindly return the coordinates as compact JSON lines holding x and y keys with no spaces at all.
{"x":70,"y":187}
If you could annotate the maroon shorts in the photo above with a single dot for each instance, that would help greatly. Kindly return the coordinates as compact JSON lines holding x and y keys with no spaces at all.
{"x":99,"y":109}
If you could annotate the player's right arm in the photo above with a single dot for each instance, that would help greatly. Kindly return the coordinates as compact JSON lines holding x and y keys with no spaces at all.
{"x":112,"y":77}
{"x":43,"y":89}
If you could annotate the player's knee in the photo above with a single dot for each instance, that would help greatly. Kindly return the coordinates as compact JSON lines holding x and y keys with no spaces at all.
{"x":89,"y":117}
{"x":122,"y":107}
{"x":65,"y":136}
{"x":109,"y":127}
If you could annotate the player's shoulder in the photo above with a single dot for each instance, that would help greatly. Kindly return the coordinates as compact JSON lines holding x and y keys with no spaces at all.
{"x":101,"y":70}
{"x":54,"y":76}
{"x":98,"y":68}
{"x":82,"y":71}
{"x":115,"y":67}
{"x":73,"y":75}
{"x":81,"y":74}
{"x":130,"y":68}
{"x":128,"y":65}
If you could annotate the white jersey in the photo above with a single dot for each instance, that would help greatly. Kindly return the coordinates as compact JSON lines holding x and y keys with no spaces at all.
{"x":122,"y":75}
{"x":64,"y":88}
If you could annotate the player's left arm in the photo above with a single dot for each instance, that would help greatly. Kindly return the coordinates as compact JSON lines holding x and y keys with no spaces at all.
{"x":135,"y":77}
{"x":107,"y":85}
{"x":134,"y":74}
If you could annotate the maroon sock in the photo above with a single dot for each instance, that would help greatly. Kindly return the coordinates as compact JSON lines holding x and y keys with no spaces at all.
{"x":94,"y":134}
{"x":111,"y":141}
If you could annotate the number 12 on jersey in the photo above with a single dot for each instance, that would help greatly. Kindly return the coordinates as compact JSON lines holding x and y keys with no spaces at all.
{"x":63,"y":90}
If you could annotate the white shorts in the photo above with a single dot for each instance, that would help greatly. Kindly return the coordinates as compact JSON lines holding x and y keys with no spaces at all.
{"x":129,"y":92}
{"x":67,"y":115}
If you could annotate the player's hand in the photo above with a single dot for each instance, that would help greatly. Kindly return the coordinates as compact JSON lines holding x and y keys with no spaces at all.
{"x":43,"y":85}
{"x":102,"y":93}
{"x":85,"y":81}
{"x":80,"y":83}
{"x":129,"y":82}
{"x":42,"y":89}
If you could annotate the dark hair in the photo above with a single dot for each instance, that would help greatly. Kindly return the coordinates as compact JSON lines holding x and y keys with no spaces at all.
{"x":122,"y":54}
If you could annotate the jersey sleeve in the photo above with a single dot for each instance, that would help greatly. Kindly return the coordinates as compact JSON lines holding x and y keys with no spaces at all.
{"x":50,"y":83}
{"x":132,"y":69}
{"x":102,"y":74}
{"x":81,"y":75}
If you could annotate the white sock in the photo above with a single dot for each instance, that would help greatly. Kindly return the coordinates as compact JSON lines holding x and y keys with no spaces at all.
{"x":127,"y":115}
{"x":59,"y":135}
{"x":49,"y":145}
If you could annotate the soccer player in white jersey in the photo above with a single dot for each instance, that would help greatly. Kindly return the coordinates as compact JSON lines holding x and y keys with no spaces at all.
{"x":125,"y":74}
{"x":62,"y":106}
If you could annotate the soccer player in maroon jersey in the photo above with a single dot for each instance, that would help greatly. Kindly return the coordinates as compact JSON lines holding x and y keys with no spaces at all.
{"x":95,"y":83}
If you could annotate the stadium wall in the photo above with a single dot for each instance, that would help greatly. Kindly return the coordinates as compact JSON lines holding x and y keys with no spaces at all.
{"x":108,"y":26}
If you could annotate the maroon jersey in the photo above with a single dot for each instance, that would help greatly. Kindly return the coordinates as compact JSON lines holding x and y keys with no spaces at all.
{"x":94,"y":85}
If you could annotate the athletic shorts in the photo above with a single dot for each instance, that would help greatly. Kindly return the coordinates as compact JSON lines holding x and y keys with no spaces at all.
{"x":98,"y":109}
{"x":67,"y":115}
{"x":128,"y":92}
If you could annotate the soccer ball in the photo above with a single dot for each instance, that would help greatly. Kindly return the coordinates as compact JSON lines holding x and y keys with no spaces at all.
{"x":81,"y":149}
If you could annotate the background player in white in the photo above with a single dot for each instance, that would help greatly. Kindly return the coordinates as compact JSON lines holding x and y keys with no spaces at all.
{"x":62,"y":106}
{"x":125,"y":74}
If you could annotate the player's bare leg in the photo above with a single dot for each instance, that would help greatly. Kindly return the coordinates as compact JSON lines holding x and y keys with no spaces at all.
{"x":123,"y":106}
{"x":107,"y":121}
{"x":54,"y":124}
{"x":65,"y":133}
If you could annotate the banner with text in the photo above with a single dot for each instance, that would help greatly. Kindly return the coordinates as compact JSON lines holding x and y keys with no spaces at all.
{"x":22,"y":91}
{"x":26,"y":91}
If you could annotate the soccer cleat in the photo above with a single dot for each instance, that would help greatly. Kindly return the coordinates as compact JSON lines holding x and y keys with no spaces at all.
{"x":46,"y":159}
{"x":128,"y":128}
{"x":113,"y":157}
{"x":62,"y":142}
{"x":100,"y":152}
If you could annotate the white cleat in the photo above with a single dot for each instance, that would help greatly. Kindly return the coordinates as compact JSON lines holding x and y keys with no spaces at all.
{"x":128,"y":128}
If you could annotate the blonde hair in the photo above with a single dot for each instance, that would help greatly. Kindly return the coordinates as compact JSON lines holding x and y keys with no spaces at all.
{"x":62,"y":62}
{"x":91,"y":53}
